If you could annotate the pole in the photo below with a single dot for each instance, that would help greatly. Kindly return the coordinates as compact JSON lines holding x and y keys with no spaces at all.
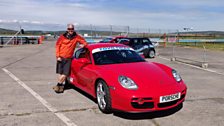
{"x":137,"y":32}
{"x":177,"y":37}
{"x":91,"y":27}
{"x":21,"y":39}
{"x":128,"y":30}
{"x":204,"y":63}
{"x":111,"y":30}
{"x":2,"y":42}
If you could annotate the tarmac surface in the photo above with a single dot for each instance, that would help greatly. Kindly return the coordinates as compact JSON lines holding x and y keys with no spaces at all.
{"x":27,"y":76}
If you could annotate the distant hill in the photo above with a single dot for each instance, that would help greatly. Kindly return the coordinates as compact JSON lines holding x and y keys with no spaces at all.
{"x":199,"y":34}
{"x":39,"y":32}
{"x":12,"y":32}
{"x":204,"y":32}
{"x":6,"y":31}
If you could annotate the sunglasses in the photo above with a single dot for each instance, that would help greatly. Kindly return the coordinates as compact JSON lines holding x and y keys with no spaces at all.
{"x":70,"y":29}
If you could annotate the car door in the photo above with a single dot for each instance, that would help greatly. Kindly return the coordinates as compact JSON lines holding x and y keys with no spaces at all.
{"x":85,"y":73}
{"x":133,"y":43}
{"x":136,"y":44}
{"x":146,"y":44}
{"x":75,"y":66}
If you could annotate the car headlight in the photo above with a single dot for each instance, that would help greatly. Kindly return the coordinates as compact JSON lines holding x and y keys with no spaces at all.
{"x":176,"y":75}
{"x":127,"y":83}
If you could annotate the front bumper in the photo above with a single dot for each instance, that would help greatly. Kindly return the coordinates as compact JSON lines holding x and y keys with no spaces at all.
{"x":131,"y":102}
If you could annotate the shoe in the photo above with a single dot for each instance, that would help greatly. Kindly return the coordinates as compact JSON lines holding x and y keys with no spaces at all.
{"x":58,"y":89}
{"x":61,"y":89}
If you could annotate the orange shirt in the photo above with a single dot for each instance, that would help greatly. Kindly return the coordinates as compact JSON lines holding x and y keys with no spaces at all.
{"x":65,"y":47}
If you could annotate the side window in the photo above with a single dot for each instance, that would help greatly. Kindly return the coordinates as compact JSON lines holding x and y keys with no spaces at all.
{"x":124,"y":41}
{"x":140,"y":41}
{"x":135,"y":41}
{"x":131,"y":42}
{"x":77,"y":53}
{"x":82,"y":53}
{"x":145,"y":42}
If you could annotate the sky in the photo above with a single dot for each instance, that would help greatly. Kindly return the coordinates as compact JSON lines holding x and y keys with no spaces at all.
{"x":199,"y":15}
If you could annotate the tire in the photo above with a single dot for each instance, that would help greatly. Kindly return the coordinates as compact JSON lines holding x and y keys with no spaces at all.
{"x":103,"y":97}
{"x":151,"y":54}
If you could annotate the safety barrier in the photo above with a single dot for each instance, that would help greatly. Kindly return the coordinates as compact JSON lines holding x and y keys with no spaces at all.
{"x":11,"y":40}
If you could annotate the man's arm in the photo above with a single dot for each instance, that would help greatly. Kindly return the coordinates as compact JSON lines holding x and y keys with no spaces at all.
{"x":58,"y":44}
{"x":82,"y":41}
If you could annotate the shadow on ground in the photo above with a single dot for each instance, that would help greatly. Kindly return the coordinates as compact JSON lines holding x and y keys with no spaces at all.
{"x":132,"y":116}
{"x":70,"y":86}
{"x":148,"y":115}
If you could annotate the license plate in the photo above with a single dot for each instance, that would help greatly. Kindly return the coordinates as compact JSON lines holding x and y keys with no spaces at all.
{"x":169,"y":98}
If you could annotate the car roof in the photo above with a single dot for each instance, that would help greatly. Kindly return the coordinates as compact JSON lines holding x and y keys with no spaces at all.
{"x":100,"y":45}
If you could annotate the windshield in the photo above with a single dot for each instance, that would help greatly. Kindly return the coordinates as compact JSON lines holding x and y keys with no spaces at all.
{"x":116,"y":57}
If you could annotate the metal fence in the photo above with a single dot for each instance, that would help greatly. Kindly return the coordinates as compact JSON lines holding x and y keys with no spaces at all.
{"x":172,"y":43}
{"x":87,"y":29}
{"x":202,"y":54}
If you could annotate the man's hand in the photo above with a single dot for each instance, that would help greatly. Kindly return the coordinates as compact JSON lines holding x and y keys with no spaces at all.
{"x":59,"y":59}
{"x":81,"y":46}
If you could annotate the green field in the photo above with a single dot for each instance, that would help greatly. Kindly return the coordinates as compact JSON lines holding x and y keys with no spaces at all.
{"x":210,"y":46}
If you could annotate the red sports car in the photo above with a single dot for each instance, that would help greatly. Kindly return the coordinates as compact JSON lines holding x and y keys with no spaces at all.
{"x":120,"y":79}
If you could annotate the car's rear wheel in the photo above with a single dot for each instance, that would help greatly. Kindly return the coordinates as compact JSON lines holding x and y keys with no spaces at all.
{"x":151,"y":54}
{"x":103,"y":97}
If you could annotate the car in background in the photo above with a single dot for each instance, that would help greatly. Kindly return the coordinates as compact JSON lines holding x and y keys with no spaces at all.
{"x":155,"y":43}
{"x":112,"y":39}
{"x":106,"y":40}
{"x":120,"y":79}
{"x":140,"y":45}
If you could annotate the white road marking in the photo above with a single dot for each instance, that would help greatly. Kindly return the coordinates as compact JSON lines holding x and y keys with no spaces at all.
{"x":164,"y":58}
{"x":209,"y":70}
{"x":61,"y":116}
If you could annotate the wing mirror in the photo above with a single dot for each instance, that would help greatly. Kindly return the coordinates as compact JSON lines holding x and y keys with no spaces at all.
{"x":84,"y":60}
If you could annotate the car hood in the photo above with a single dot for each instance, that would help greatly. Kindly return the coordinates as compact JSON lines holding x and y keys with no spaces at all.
{"x":147,"y":75}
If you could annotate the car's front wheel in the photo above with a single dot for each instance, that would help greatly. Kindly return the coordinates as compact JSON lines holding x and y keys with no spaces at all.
{"x":103,"y":97}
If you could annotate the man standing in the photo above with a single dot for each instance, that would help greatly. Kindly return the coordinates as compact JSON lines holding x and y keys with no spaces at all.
{"x":65,"y":47}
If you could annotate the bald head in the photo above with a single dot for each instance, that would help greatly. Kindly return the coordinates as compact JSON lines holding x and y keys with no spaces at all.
{"x":70,"y":28}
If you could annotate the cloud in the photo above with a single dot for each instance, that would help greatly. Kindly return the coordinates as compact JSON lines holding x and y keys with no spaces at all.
{"x":172,"y":14}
